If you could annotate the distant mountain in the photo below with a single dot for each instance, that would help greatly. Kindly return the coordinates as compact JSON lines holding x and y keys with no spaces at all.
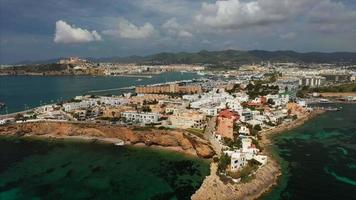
{"x":235,"y":57}
{"x":228,"y":58}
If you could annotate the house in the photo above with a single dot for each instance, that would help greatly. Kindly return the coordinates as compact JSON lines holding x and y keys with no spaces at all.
{"x":254,"y":122}
{"x":144,"y":117}
{"x":225,"y":123}
{"x":248,"y":147}
{"x":262,"y":159}
{"x":246,"y":115}
{"x":68,"y":107}
{"x":209,"y":111}
{"x":187,"y":119}
{"x":238,"y":159}
{"x":244,"y":130}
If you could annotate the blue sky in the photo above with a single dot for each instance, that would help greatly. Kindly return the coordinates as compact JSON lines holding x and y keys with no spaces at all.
{"x":44,"y":29}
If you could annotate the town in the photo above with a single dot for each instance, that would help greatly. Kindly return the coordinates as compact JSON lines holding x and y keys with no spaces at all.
{"x":231,"y":109}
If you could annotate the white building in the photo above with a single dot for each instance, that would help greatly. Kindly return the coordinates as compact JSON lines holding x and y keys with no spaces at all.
{"x":244,"y":130}
{"x":113,"y":101}
{"x":188,"y":119}
{"x":68,"y":107}
{"x":144,"y":118}
{"x":209,"y":111}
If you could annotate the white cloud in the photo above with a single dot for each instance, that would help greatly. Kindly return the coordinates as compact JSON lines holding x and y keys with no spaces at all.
{"x":128,"y":30}
{"x":238,"y":14}
{"x":234,"y":14}
{"x":66,"y":33}
{"x":173,"y":28}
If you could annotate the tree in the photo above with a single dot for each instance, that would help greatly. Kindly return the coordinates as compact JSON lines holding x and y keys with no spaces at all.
{"x":224,"y":161}
{"x":19,"y":117}
{"x":257,"y":127}
{"x":146,"y":109}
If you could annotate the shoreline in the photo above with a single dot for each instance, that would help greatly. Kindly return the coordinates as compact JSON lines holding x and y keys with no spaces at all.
{"x":212,"y":187}
{"x":265,"y":178}
{"x":170,"y":140}
{"x":98,"y":140}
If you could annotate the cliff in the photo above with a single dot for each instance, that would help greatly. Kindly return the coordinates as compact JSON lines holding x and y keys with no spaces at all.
{"x":171,"y":139}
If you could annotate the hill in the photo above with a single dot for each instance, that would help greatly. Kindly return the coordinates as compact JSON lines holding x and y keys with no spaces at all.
{"x":235,"y":57}
{"x":228,"y":58}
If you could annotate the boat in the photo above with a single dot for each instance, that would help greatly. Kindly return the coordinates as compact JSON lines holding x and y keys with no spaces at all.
{"x":139,"y":79}
{"x":332,"y":109}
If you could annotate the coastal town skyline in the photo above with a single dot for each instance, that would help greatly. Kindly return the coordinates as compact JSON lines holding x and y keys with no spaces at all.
{"x":178,"y":99}
{"x":52,"y":29}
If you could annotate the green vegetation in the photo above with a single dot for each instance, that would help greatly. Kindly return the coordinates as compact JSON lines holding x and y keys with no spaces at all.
{"x":19,"y":117}
{"x":146,"y":109}
{"x":236,"y":143}
{"x":112,"y":119}
{"x":246,"y":173}
{"x":233,"y":58}
{"x":164,"y":128}
{"x":349,"y":87}
{"x":260,"y":89}
{"x":302,"y":93}
{"x":224,"y":161}
{"x":257,"y":128}
{"x":196,"y":132}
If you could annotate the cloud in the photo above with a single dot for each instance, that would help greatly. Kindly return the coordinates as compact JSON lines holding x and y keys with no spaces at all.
{"x":239,"y":14}
{"x":173,"y":28}
{"x":235,"y":14}
{"x":66,"y":33}
{"x":329,"y":16}
{"x":288,"y":36}
{"x":128,"y":30}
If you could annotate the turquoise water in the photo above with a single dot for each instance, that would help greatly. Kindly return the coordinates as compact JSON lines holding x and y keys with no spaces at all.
{"x":319,"y":158}
{"x":38,"y":169}
{"x":19,"y":92}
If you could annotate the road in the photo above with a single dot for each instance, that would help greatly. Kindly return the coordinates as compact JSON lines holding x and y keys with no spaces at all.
{"x":208,"y":135}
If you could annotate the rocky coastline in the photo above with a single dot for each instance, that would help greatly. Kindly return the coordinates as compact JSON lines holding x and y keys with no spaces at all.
{"x":175,"y":140}
{"x":213,"y":188}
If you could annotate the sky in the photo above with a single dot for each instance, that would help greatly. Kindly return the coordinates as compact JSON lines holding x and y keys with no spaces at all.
{"x":46,"y":29}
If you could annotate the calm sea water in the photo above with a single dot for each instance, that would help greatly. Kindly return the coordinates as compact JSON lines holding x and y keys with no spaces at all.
{"x":319,"y":158}
{"x":19,"y":92}
{"x":38,"y":169}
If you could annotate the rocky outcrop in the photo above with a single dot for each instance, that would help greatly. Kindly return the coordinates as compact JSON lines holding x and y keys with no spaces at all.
{"x":173,"y":139}
{"x":213,"y":188}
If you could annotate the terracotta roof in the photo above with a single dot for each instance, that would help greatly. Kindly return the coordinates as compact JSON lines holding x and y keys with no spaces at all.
{"x":228,"y":114}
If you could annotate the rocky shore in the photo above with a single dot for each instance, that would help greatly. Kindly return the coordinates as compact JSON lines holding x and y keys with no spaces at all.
{"x":168,"y":139}
{"x":213,"y":188}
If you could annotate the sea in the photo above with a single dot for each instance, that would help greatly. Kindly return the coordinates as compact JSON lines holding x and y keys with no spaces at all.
{"x":33,"y":168}
{"x":318,"y":159}
{"x":26,"y":92}
{"x":50,"y":169}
